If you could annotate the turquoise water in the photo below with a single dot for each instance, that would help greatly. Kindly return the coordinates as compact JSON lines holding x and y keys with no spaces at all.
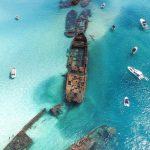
{"x":37,"y":47}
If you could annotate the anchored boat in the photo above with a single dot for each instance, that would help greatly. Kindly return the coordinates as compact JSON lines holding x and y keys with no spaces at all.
{"x":70,"y":27}
{"x":13,"y":73}
{"x":77,"y":69}
{"x":102,"y":6}
{"x":134,"y":50}
{"x":126,"y":102}
{"x":144,"y":23}
{"x":137,"y":73}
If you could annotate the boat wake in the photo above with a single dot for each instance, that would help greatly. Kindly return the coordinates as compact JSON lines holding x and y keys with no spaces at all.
{"x":146,"y":78}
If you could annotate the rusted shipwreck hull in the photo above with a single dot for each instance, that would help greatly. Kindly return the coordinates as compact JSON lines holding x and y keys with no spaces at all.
{"x":75,"y":2}
{"x":84,"y":3}
{"x":70,"y":27}
{"x":97,"y":139}
{"x":77,"y":69}
{"x":68,"y":3}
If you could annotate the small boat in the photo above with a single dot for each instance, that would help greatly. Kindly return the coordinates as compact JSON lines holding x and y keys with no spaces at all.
{"x":134,"y":50}
{"x":17,"y":18}
{"x":137,"y":73}
{"x":113,"y":27}
{"x":143,"y":23}
{"x":13,"y":73}
{"x":126,"y":102}
{"x":102,"y":6}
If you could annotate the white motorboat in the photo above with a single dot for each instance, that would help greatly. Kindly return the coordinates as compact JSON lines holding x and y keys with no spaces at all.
{"x":126,"y":102}
{"x":17,"y":18}
{"x":134,"y":50}
{"x":144,"y":23}
{"x":137,"y":73}
{"x":13,"y":73}
{"x":102,"y":6}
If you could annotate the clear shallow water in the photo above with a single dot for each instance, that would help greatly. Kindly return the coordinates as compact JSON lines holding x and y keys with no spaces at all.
{"x":36,"y":46}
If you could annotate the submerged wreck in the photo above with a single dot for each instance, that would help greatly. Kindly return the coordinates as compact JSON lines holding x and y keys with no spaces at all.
{"x":82,"y":22}
{"x":70,"y":27}
{"x":97,"y":139}
{"x":68,"y":3}
{"x":84,"y":3}
{"x":77,"y":69}
{"x":75,"y":2}
{"x":56,"y":110}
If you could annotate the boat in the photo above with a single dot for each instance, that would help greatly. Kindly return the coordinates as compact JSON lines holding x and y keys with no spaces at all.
{"x":102,"y":6}
{"x":82,"y":22}
{"x":126,"y":102}
{"x":134,"y":50}
{"x":13,"y":73}
{"x":70,"y":27}
{"x":84,"y":3}
{"x":86,"y":12}
{"x":68,"y":3}
{"x":137,"y":73}
{"x":77,"y":69}
{"x":144,"y":23}
{"x":17,"y":18}
{"x":113,"y":27}
{"x":96,"y":139}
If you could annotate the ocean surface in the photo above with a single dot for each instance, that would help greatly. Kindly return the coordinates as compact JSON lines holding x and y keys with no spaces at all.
{"x":37,"y":47}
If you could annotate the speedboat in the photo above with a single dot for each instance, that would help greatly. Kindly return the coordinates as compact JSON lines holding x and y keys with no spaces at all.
{"x":102,"y":6}
{"x":134,"y":50}
{"x":137,"y":73}
{"x":126,"y":102}
{"x":143,"y":23}
{"x":13,"y":73}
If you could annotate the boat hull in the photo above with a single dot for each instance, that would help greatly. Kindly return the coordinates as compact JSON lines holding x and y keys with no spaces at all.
{"x":77,"y":69}
{"x":144,"y":26}
{"x":133,"y":71}
{"x":84,"y":3}
{"x":13,"y":73}
{"x":70,"y":27}
{"x":126,"y":104}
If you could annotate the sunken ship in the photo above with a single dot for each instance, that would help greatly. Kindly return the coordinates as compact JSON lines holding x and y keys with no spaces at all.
{"x":82,"y":22}
{"x":70,"y":27}
{"x":75,"y":2}
{"x":98,"y":139}
{"x":84,"y":3}
{"x":68,"y":3}
{"x":77,"y":69}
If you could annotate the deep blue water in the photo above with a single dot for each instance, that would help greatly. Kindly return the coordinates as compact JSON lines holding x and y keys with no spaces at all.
{"x":37,"y":47}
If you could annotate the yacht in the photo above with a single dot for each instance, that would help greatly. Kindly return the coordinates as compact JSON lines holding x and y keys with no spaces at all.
{"x":137,"y":73}
{"x":134,"y":50}
{"x":143,"y":23}
{"x":102,"y":6}
{"x":126,"y":102}
{"x":13,"y":73}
